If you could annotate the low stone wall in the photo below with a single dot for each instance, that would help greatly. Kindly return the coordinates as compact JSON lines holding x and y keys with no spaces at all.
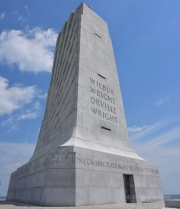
{"x":172,"y":203}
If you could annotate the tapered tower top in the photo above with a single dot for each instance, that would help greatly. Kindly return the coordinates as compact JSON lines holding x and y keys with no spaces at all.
{"x":84,"y":105}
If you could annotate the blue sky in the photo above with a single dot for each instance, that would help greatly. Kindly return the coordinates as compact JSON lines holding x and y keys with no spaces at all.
{"x":146,"y":41}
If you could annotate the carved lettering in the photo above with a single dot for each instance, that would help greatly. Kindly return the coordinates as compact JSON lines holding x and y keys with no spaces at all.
{"x":88,"y":161}
{"x":104,"y":115}
{"x":102,"y":95}
{"x":62,"y":160}
{"x":102,"y":86}
{"x":102,"y":91}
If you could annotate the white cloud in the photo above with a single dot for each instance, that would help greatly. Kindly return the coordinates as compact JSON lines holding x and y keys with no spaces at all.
{"x":12,"y":156}
{"x":11,"y":123}
{"x":159,"y":144}
{"x":28,"y":115}
{"x":7,"y":122}
{"x":2,"y":15}
{"x":13,"y":127}
{"x":136,"y":129}
{"x":149,"y":130}
{"x":161,"y":101}
{"x":30,"y":51}
{"x":22,"y":19}
{"x":31,"y":113}
{"x":15,"y":97}
{"x":165,"y":137}
{"x":27,"y":10}
{"x":36,"y":105}
{"x":42,"y":96}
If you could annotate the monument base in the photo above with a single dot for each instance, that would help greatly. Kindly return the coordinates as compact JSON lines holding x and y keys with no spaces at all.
{"x":74,"y":176}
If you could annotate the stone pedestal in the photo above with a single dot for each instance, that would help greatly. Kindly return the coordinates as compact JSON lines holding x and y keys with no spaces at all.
{"x":73,"y":176}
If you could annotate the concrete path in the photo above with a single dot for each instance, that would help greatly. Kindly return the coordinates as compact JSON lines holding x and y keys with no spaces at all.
{"x":13,"y":205}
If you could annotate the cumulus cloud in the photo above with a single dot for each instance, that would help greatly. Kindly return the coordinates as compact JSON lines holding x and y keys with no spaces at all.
{"x":2,"y":15}
{"x":15,"y":97}
{"x":31,"y":51}
{"x":161,"y":101}
{"x":12,"y":156}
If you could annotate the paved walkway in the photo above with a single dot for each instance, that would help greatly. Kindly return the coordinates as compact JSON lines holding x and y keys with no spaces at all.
{"x":13,"y":205}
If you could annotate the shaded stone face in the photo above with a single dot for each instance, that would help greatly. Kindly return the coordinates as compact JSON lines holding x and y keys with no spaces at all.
{"x":83,"y":155}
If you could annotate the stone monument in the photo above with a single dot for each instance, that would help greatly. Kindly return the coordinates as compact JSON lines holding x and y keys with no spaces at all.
{"x":83,"y":155}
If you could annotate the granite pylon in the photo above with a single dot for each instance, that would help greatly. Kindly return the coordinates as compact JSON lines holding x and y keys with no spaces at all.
{"x":83,"y":155}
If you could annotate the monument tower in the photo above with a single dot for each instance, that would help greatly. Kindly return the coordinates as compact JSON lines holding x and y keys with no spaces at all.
{"x":83,"y":155}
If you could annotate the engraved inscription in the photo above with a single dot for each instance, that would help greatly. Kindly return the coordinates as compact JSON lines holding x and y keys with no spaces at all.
{"x":88,"y":161}
{"x":70,"y":160}
{"x":104,"y":101}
